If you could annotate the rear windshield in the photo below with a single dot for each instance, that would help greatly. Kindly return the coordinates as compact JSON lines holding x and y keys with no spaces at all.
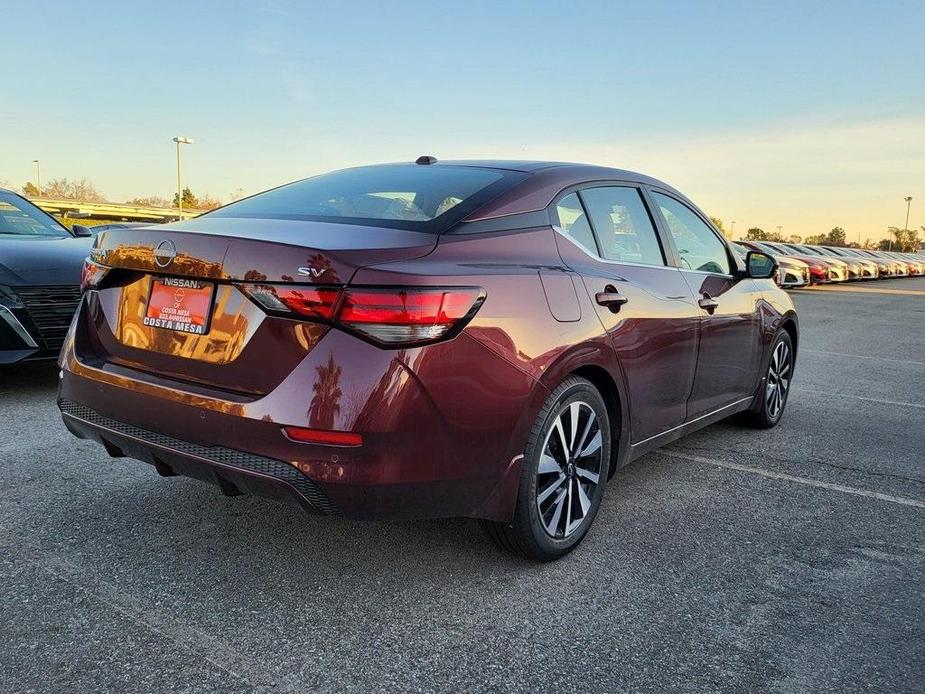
{"x":19,"y":217}
{"x":406,"y":196}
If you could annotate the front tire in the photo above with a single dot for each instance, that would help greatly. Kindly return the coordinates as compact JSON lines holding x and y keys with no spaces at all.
{"x":772,"y":395}
{"x":563,"y":475}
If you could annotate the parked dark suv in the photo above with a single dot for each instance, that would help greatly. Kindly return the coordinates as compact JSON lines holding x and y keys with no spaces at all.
{"x":40,"y":266}
{"x":488,"y":339}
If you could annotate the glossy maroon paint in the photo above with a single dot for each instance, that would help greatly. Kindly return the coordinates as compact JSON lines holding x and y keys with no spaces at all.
{"x":443,"y":426}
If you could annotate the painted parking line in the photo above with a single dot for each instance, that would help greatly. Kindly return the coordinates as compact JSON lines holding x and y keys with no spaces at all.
{"x":879,"y":401}
{"x":854,"y":491}
{"x":803,"y":350}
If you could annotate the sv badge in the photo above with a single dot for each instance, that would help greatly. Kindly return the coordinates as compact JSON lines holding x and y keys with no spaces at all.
{"x":314,"y":272}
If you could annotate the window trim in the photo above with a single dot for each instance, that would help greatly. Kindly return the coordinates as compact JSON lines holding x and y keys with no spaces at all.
{"x":598,"y":259}
{"x":735,"y":269}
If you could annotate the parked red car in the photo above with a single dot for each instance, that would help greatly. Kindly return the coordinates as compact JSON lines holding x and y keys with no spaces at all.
{"x":486,"y":339}
{"x":821,"y":270}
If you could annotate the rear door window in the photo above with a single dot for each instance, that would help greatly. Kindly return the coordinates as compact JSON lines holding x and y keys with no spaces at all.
{"x":622,"y":225}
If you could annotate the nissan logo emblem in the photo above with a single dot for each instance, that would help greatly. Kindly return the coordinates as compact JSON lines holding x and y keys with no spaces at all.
{"x":164,"y":253}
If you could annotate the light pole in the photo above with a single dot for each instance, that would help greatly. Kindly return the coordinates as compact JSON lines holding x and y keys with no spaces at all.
{"x":779,"y":227}
{"x":180,"y":141}
{"x":38,"y":176}
{"x":908,"y":205}
{"x":732,"y":232}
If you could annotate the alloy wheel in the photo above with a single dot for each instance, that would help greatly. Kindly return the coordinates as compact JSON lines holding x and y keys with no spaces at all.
{"x":569,"y":470}
{"x":775,"y":393}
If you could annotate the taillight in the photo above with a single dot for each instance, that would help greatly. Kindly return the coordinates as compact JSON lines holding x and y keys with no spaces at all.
{"x":91,"y":275}
{"x":407,"y":315}
{"x":392,"y":316}
{"x":310,"y":302}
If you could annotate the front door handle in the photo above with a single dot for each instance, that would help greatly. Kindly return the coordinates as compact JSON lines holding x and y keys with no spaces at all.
{"x":708,"y":303}
{"x":610,"y":298}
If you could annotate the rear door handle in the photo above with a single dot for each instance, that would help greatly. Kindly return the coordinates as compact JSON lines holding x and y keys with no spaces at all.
{"x":708,"y":303}
{"x":610,"y":298}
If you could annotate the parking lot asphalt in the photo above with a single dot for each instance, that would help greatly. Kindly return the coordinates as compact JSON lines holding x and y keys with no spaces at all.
{"x":788,"y":560}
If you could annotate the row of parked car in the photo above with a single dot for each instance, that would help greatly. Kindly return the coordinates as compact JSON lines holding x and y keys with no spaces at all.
{"x":802,"y":265}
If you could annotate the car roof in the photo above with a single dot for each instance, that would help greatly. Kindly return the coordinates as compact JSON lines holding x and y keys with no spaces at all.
{"x":525,"y":166}
{"x":544,"y":181}
{"x":562,"y":168}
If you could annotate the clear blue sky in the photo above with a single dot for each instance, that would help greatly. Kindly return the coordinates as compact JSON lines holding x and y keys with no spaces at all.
{"x":736,"y":103}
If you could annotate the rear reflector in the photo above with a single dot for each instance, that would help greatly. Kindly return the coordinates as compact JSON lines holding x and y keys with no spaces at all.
{"x":390,"y":316}
{"x":323,"y":436}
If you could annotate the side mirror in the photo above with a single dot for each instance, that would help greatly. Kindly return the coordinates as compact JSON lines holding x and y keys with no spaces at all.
{"x":81,"y":231}
{"x":760,"y":266}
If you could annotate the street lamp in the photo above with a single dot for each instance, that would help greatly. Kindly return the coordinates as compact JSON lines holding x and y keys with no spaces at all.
{"x":38,"y":176}
{"x":779,"y":227}
{"x":732,"y":233}
{"x":180,"y":141}
{"x":908,"y":205}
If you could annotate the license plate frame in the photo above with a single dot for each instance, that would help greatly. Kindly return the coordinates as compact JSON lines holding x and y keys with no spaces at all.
{"x":172,"y":294}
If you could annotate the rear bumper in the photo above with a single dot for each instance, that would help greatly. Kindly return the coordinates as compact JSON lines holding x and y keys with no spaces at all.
{"x":235,"y":472}
{"x":438,"y":441}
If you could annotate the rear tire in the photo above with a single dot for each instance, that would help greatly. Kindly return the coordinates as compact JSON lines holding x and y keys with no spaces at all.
{"x":563,"y":474}
{"x":771,"y":398}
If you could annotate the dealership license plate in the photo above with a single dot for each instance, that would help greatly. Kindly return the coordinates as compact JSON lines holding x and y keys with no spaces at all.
{"x":179,"y":304}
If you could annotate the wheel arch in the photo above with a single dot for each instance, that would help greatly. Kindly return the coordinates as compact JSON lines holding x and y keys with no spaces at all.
{"x":597,"y":364}
{"x":601,"y":379}
{"x":789,"y":323}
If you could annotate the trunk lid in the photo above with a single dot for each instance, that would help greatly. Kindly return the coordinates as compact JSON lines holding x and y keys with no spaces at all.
{"x":244,"y":349}
{"x":267,"y":250}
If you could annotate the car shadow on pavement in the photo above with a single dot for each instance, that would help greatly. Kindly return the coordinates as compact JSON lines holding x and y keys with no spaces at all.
{"x":185,"y":531}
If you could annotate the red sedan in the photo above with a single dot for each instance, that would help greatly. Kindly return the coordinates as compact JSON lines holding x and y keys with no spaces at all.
{"x":487,"y":339}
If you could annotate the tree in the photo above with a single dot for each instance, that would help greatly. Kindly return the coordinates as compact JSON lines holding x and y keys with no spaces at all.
{"x":836,"y":237}
{"x":759,"y":234}
{"x":794,"y":238}
{"x":80,"y":189}
{"x":30,"y":190}
{"x":190,"y":202}
{"x":904,"y":240}
{"x":207,"y":202}
{"x":718,"y":223}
